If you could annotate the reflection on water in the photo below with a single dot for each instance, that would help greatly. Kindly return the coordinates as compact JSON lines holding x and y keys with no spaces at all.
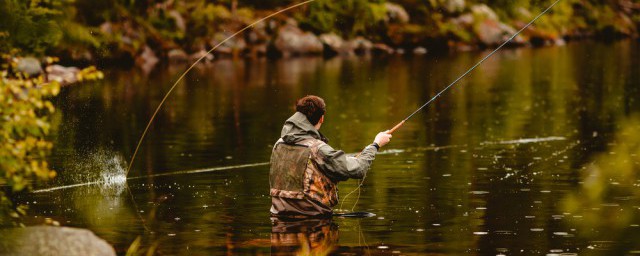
{"x":483,"y":170}
{"x":303,"y":237}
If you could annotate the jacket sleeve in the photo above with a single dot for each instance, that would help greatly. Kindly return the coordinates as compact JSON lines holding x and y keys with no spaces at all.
{"x":338,"y":166}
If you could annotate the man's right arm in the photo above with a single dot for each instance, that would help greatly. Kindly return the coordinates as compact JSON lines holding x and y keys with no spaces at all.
{"x":339,"y":166}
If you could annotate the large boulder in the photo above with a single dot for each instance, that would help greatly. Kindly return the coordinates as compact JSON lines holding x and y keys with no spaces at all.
{"x":291,"y":40}
{"x":48,"y":240}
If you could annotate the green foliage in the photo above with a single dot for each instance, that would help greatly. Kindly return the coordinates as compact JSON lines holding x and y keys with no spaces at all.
{"x":119,"y":29}
{"x":35,"y":26}
{"x":25,"y":110}
{"x":24,"y":114}
{"x":610,"y":180}
{"x":348,"y":18}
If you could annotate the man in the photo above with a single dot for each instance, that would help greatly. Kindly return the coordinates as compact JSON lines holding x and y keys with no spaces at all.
{"x":305,"y":170}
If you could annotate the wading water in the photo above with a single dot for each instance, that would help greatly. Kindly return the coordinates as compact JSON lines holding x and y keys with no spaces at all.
{"x":498,"y":165}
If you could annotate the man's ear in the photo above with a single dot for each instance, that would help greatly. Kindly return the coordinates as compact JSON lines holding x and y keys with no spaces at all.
{"x":321,"y":119}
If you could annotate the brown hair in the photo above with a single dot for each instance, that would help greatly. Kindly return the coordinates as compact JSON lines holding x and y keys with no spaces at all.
{"x":311,"y":106}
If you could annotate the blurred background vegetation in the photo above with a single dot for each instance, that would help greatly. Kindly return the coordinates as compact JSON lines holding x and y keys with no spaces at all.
{"x":123,"y":30}
{"x":24,"y":115}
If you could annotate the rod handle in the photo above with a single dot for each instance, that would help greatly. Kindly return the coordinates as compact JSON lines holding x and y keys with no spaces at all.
{"x":396,"y":127}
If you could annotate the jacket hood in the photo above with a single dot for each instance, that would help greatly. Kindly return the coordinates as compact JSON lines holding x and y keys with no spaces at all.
{"x":298,"y":128}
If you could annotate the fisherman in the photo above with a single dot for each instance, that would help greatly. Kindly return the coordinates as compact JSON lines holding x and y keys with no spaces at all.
{"x":305,"y":170}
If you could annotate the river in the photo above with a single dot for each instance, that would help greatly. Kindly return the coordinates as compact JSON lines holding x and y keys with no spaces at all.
{"x":489,"y":168}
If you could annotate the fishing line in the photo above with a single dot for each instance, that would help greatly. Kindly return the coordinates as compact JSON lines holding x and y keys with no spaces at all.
{"x":194,"y":64}
{"x":392,"y":130}
{"x":473,"y":67}
{"x":242,"y":166}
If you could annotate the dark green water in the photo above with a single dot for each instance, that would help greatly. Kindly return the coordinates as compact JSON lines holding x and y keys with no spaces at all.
{"x":486,"y":169}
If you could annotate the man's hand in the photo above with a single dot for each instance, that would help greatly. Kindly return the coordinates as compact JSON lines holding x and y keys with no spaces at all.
{"x":382,"y":138}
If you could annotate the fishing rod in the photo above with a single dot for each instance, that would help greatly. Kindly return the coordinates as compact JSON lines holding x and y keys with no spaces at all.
{"x":397,"y":126}
{"x":146,"y":129}
{"x":392,"y":130}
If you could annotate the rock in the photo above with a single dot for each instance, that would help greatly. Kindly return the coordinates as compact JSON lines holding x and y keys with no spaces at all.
{"x":291,"y":40}
{"x":177,"y":17}
{"x":234,"y":45}
{"x":453,"y":6}
{"x":63,"y":75}
{"x":106,"y":28}
{"x":147,"y":59}
{"x":488,"y":28}
{"x":334,"y":44}
{"x":197,"y":55}
{"x":482,"y":11}
{"x":420,"y":51}
{"x":47,"y":240}
{"x":382,"y":49}
{"x":361,"y":45}
{"x":396,"y":13}
{"x":465,"y":20}
{"x":30,"y":66}
{"x":489,"y":32}
{"x":177,"y":55}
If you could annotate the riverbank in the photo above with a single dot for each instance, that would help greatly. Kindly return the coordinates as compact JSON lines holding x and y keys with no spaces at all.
{"x":144,"y":34}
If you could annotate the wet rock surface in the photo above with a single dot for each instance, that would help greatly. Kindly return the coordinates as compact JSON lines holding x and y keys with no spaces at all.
{"x":48,"y":240}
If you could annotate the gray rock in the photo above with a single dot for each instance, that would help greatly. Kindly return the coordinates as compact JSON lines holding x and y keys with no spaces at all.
{"x":236,"y":44}
{"x":147,"y":59}
{"x":396,"y":13}
{"x":30,"y":66}
{"x":177,"y":55}
{"x":48,"y":240}
{"x":181,"y":24}
{"x":482,"y":11}
{"x":335,"y":44}
{"x":420,"y":51}
{"x":489,"y":29}
{"x":361,"y":45}
{"x":291,"y":40}
{"x":63,"y":75}
{"x":465,"y":20}
{"x":382,"y":49}
{"x":208,"y":57}
{"x":453,"y":6}
{"x":106,"y":27}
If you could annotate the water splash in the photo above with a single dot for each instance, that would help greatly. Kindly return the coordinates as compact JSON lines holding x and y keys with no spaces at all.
{"x":102,"y":168}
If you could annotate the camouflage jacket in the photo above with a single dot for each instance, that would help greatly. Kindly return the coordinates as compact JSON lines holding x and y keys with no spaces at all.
{"x":305,"y":170}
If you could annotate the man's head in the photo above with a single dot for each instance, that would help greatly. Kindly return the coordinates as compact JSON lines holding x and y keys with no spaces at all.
{"x":313,"y":107}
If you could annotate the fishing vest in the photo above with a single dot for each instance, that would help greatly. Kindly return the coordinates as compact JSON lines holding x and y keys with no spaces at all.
{"x":295,"y":174}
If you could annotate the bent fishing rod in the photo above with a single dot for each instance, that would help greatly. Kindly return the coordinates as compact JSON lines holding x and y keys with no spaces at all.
{"x":146,"y":129}
{"x":392,"y":130}
{"x":144,"y":133}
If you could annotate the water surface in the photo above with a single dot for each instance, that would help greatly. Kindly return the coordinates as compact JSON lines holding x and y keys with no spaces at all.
{"x":483,"y":170}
